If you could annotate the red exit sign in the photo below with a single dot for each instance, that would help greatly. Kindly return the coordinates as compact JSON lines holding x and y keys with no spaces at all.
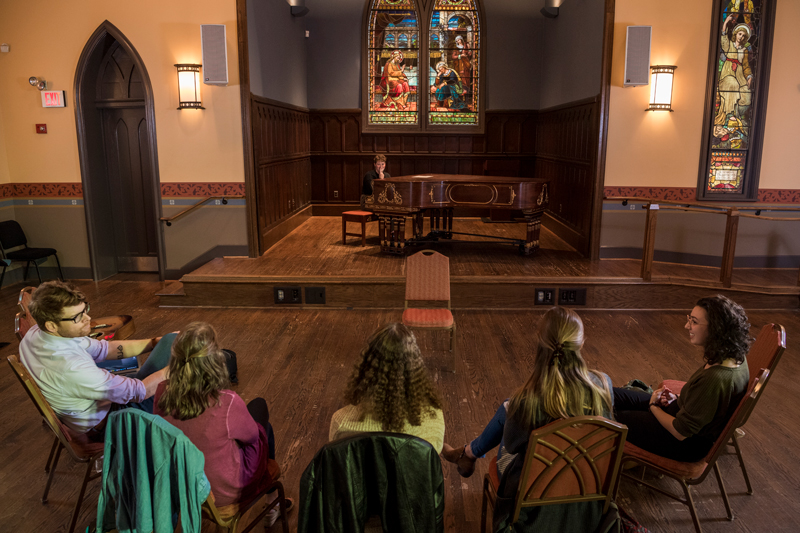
{"x":54,"y":99}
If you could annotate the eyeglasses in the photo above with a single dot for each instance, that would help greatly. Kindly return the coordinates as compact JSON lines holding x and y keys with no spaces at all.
{"x":77,"y":318}
{"x":693,"y":321}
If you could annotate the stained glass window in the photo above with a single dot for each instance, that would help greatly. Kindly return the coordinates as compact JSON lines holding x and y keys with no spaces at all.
{"x":401,"y":85}
{"x":454,"y":56}
{"x":393,"y":57}
{"x":737,"y":69}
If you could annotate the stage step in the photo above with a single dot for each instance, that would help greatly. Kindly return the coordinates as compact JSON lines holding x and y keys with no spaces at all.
{"x":174,"y":288}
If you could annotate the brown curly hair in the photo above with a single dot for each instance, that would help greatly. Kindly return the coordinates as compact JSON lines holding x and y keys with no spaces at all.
{"x":197,"y":373}
{"x":728,"y":330}
{"x":391,"y":380}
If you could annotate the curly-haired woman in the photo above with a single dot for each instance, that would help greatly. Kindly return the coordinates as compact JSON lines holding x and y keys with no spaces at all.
{"x":686,"y":429}
{"x":390,"y":390}
{"x":236,"y":439}
{"x":561,"y":386}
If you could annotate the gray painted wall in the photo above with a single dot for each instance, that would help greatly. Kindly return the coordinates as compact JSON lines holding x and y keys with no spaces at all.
{"x":572,"y":53}
{"x":278,"y":52}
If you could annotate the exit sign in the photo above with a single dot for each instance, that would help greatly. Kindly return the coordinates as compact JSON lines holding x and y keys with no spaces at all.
{"x":54,"y":99}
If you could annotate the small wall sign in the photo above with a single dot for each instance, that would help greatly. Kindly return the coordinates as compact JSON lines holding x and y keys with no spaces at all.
{"x":54,"y":99}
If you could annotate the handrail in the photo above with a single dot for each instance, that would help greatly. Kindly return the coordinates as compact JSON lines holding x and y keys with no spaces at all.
{"x":731,"y":212}
{"x":170,"y":220}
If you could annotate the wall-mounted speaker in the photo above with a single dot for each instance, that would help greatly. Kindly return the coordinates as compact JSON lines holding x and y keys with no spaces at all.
{"x":215,"y":55}
{"x":637,"y":56}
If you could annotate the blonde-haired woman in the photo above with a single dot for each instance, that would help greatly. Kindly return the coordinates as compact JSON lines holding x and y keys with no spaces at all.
{"x":236,"y":439}
{"x":561,"y":386}
{"x":390,"y":390}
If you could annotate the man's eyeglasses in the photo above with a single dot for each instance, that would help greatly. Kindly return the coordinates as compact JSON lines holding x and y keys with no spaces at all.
{"x":77,"y":318}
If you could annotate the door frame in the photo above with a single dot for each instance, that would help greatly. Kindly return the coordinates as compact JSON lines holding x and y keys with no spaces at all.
{"x":86,"y":150}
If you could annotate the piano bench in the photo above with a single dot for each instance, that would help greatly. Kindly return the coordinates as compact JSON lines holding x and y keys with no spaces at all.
{"x":357,"y":216}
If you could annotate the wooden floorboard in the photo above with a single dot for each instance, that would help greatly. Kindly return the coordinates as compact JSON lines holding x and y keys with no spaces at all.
{"x":299,"y":360}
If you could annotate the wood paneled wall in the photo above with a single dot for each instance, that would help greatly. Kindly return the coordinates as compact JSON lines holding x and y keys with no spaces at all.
{"x":566,"y":145}
{"x":282,"y":162}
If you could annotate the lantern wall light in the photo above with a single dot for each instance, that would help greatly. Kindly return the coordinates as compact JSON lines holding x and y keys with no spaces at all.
{"x":189,"y":86}
{"x":661,"y":77}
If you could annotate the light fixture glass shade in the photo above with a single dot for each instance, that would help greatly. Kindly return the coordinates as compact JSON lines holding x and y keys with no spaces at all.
{"x":189,"y":86}
{"x":661,"y":77}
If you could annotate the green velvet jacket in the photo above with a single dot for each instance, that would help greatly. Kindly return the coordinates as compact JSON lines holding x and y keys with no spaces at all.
{"x":394,"y":476}
{"x":151,"y":472}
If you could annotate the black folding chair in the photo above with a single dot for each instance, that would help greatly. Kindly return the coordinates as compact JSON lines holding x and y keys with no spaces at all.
{"x":12,"y":236}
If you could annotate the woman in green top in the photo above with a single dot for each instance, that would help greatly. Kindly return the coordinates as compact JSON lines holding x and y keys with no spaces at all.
{"x":686,"y":429}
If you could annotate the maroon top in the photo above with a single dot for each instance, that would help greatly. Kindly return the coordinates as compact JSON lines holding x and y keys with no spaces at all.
{"x":236,"y":448}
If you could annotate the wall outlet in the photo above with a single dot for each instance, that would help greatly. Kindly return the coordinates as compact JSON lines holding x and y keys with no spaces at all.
{"x":572,"y":296}
{"x":315,"y":295}
{"x":545,"y":297}
{"x":336,"y":194}
{"x":287,"y":295}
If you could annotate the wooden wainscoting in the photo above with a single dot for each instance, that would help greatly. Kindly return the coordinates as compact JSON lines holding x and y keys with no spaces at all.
{"x":282,"y":166}
{"x":566,"y":145}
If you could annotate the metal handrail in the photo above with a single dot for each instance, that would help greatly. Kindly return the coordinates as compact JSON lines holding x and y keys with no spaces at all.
{"x":173,"y":218}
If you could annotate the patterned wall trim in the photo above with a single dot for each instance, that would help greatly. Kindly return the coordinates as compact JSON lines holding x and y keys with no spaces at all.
{"x":75,"y":190}
{"x":689,"y":194}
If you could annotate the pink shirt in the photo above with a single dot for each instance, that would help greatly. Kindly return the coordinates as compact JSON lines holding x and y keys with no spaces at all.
{"x":236,"y":448}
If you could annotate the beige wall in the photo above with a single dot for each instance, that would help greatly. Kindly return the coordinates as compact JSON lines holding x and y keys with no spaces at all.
{"x":46,"y":39}
{"x":663,"y":149}
{"x":5,"y":177}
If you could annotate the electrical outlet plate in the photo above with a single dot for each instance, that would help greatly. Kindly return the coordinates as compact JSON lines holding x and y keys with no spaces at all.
{"x":315,"y":295}
{"x":544,"y":297}
{"x":288,"y":295}
{"x":572,"y":296}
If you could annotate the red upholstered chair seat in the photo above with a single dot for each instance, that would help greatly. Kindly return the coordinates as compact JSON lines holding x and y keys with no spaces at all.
{"x":686,"y":470}
{"x":428,"y":318}
{"x":359,"y":213}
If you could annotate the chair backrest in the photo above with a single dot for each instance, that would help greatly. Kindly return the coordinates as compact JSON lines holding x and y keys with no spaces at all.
{"x":740,"y":416}
{"x":396,"y":476}
{"x":428,"y":276}
{"x":571,"y":460}
{"x":24,"y":300}
{"x":11,"y":235}
{"x":23,"y":321}
{"x":766,"y":351}
{"x":47,"y":413}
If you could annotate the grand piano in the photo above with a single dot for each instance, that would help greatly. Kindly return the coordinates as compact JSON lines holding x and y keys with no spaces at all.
{"x":394,"y":199}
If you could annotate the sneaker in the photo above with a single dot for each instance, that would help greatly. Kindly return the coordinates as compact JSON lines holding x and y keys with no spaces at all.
{"x":274,"y":514}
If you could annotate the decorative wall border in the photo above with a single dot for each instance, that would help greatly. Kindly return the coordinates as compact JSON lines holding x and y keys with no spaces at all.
{"x":689,"y":194}
{"x":75,"y":190}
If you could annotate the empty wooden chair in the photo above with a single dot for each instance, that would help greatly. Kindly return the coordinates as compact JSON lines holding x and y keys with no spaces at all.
{"x":78,"y":447}
{"x":428,"y":280}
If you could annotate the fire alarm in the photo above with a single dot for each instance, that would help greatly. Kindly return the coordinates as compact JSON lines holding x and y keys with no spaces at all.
{"x":41,"y":128}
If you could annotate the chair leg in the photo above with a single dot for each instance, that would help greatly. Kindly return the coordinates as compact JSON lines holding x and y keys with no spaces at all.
{"x":38,"y":274}
{"x":344,"y":231}
{"x":453,"y":345}
{"x":25,"y":272}
{"x":58,"y":263}
{"x":3,"y":275}
{"x":690,"y":502}
{"x":741,"y":463}
{"x":52,"y":472}
{"x":484,"y":505}
{"x":50,"y":457}
{"x":723,"y":491}
{"x":77,"y":510}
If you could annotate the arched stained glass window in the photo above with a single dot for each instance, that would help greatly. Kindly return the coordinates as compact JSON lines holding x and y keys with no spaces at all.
{"x":454,"y":84}
{"x":393,"y":73}
{"x":423,"y":75}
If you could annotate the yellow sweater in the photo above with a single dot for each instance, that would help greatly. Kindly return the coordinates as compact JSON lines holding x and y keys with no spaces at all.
{"x":346,"y":420}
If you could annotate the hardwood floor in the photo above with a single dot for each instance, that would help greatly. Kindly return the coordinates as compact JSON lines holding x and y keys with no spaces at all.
{"x":300,"y":360}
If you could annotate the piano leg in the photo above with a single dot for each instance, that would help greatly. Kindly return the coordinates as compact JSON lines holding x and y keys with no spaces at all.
{"x":448,"y":223}
{"x":392,"y":231}
{"x":534,"y":222}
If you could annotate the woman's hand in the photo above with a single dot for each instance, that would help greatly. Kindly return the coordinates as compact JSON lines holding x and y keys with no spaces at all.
{"x":656,"y":396}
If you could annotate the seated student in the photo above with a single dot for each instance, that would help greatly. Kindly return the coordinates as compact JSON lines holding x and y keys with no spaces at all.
{"x":390,"y":390}
{"x":685,"y":429}
{"x":62,"y":359}
{"x":236,"y":439}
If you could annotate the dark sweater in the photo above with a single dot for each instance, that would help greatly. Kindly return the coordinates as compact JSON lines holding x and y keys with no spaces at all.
{"x":369,"y":177}
{"x":708,"y":400}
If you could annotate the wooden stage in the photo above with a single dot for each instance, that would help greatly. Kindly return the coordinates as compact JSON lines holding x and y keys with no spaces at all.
{"x":483,"y":276}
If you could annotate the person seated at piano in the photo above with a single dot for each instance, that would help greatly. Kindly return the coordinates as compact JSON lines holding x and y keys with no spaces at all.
{"x":62,"y":360}
{"x":448,"y":90}
{"x":378,"y":172}
{"x":685,"y":427}
{"x":390,"y":390}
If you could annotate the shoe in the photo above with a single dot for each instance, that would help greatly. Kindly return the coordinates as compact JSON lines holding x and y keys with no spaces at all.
{"x":275,"y":513}
{"x":464,"y":464}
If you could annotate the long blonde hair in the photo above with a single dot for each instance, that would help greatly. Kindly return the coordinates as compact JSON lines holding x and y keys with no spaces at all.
{"x":197,"y":373}
{"x":391,"y":380}
{"x":560,"y":385}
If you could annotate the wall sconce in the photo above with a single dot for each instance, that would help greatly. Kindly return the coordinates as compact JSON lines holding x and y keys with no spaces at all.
{"x":36,"y":82}
{"x":661,"y":87}
{"x":189,"y":86}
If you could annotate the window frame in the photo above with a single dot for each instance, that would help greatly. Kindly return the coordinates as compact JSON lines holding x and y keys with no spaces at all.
{"x":424,"y":14}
